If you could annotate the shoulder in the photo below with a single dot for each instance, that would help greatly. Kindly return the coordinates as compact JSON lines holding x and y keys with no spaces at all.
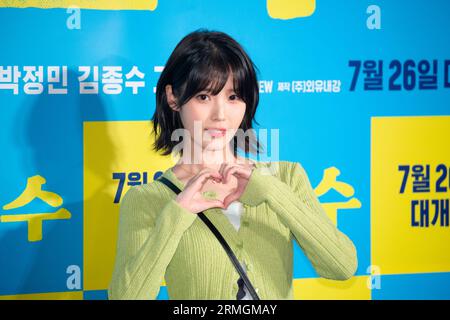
{"x":289,"y":172}
{"x":292,"y":172}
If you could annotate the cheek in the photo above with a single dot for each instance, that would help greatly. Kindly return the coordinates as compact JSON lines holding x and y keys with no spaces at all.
{"x":237,"y":114}
{"x":192,"y":113}
{"x":198,"y":112}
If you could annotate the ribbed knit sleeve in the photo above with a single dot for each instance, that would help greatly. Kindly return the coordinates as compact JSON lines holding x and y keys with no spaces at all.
{"x":145,"y":244}
{"x":331,"y":252}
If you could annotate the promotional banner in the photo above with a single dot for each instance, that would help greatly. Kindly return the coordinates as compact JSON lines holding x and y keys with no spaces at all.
{"x":357,"y":92}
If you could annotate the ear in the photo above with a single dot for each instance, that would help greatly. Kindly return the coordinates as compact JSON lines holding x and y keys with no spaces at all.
{"x":171,"y":100}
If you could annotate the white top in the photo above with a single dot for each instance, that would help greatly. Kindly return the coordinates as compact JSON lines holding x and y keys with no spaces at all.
{"x":233,"y":213}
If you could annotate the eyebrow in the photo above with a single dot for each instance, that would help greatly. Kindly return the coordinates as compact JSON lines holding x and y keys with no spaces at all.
{"x":228,"y":90}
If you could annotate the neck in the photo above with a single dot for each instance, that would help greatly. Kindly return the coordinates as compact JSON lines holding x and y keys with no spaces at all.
{"x":211,"y":159}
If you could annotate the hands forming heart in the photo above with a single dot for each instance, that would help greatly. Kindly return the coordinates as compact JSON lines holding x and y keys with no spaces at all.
{"x":228,"y":183}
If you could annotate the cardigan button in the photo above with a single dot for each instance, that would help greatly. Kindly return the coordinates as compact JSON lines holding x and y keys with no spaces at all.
{"x":245,"y":223}
{"x":240,"y":244}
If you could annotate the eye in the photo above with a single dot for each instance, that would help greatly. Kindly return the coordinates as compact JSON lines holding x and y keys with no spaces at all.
{"x":236,"y":97}
{"x":201,"y":96}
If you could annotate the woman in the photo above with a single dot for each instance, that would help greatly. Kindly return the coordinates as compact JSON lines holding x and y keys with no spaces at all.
{"x":208,"y":90}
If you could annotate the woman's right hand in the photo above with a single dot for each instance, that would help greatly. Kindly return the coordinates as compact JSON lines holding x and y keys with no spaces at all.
{"x":191,"y":198}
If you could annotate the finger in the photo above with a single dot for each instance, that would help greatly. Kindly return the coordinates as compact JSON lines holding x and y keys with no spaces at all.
{"x":244,"y":172}
{"x":192,"y":186}
{"x":230,"y":198}
{"x":231,"y":170}
{"x":196,"y":183}
{"x":234,"y":195}
{"x":213,"y":204}
{"x":222,"y":167}
{"x":225,"y":172}
{"x":205,"y":176}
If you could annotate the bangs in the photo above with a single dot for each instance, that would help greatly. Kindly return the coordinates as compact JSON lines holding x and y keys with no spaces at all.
{"x":211,"y":75}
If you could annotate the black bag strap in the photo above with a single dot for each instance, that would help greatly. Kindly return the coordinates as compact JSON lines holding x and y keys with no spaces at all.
{"x":225,"y":245}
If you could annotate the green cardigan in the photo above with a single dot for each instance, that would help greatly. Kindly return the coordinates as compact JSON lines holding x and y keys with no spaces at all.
{"x":158,"y":239}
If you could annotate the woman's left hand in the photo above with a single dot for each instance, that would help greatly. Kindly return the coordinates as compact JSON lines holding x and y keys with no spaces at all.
{"x":242,"y":172}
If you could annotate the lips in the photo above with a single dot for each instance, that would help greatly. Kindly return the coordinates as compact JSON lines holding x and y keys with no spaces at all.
{"x":216,"y":128}
{"x":216,"y":132}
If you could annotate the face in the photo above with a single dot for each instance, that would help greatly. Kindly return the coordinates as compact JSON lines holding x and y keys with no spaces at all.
{"x":212,"y":121}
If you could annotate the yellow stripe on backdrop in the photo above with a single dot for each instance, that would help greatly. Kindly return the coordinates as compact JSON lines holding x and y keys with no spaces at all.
{"x":276,"y":9}
{"x":290,"y":9}
{"x":70,"y":295}
{"x":84,"y":4}
{"x":355,"y":288}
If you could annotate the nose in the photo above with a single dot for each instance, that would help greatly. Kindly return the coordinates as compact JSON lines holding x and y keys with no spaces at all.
{"x":219,"y":110}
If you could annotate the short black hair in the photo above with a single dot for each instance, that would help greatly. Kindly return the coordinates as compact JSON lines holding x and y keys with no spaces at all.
{"x":202,"y":61}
